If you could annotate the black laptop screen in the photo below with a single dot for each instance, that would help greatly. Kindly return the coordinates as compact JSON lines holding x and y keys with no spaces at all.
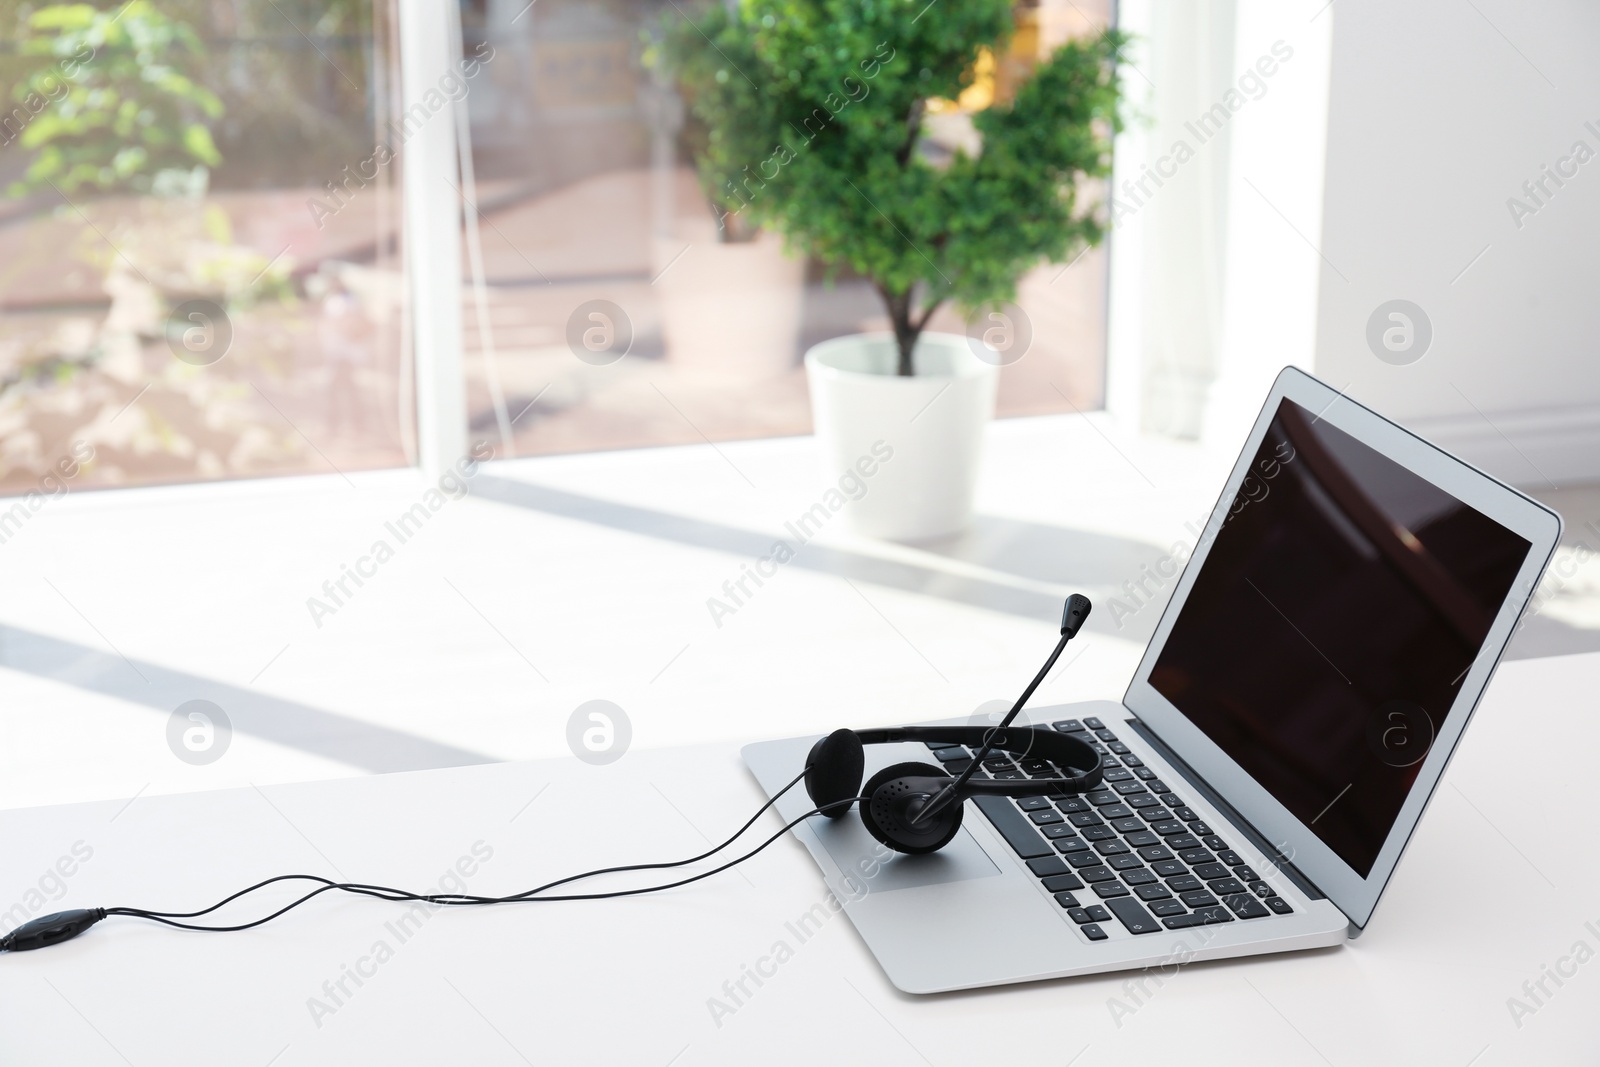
{"x":1327,"y":633}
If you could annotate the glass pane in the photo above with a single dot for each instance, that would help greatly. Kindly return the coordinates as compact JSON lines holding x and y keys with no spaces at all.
{"x":199,"y":259}
{"x":595,"y":230}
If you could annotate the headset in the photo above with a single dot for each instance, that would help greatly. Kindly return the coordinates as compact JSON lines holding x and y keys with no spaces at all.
{"x":912,"y":808}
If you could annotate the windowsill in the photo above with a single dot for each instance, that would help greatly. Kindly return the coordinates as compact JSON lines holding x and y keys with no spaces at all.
{"x":565,"y":579}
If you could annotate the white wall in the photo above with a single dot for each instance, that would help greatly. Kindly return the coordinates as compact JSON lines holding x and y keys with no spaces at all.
{"x":1439,"y":111}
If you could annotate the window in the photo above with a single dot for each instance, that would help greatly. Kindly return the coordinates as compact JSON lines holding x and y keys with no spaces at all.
{"x":200,"y":264}
{"x":591,"y":218}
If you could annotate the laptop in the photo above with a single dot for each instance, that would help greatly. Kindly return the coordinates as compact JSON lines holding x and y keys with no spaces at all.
{"x":1324,"y":648}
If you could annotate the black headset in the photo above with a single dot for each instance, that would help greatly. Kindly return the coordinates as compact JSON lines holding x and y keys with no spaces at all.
{"x":916,"y":808}
{"x":913,"y":808}
{"x":897,"y":795}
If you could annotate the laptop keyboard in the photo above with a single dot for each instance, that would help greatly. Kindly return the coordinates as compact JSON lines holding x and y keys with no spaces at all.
{"x":1131,"y":849}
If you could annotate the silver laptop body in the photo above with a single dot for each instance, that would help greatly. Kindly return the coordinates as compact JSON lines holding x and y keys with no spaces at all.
{"x":1326,"y":643}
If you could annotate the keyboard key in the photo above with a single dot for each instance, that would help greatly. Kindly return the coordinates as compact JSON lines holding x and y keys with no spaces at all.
{"x":1166,"y":907}
{"x":1155,"y":891}
{"x":1105,"y":735}
{"x":1231,"y":858}
{"x":1112,"y":847}
{"x":1129,"y":825}
{"x":1165,"y":829}
{"x":1098,"y":833}
{"x":1115,"y":811}
{"x":1097,"y":873}
{"x":1060,"y":883}
{"x":1013,"y":826}
{"x":1007,"y":776}
{"x":1183,"y":883}
{"x":1046,"y":866}
{"x":1059,"y":830}
{"x":1199,"y":828}
{"x":1129,"y":789}
{"x":1262,"y":890}
{"x":1216,"y":844}
{"x":1077,"y":914}
{"x":1245,"y":906}
{"x":1068,"y":805}
{"x":1117,"y":776}
{"x":1131,"y":761}
{"x":1044,"y":818}
{"x":1168,"y":868}
{"x":1093,"y":932}
{"x":1172,"y":800}
{"x":1106,"y":890}
{"x":1037,"y":766}
{"x":1033,"y":803}
{"x":1068,"y":726}
{"x":1156,"y":785}
{"x":1093,"y":723}
{"x":1199,"y":899}
{"x":1155,"y":853}
{"x":1119,"y":748}
{"x":1186,"y":814}
{"x":1192,"y":856}
{"x":1132,"y":915}
{"x":958,"y":766}
{"x":1155,"y":814}
{"x":1141,"y":877}
{"x":1279,"y":906}
{"x":999,"y":763}
{"x":1183,"y":922}
{"x":1084,"y":859}
{"x":1214,"y":915}
{"x":1143,"y":773}
{"x":1182,"y":841}
{"x":1072,"y":844}
{"x":1246,"y":874}
{"x":1209,"y":871}
{"x":1225,"y":886}
{"x":1067,"y":900}
{"x":1144,"y":801}
{"x":1098,"y":913}
{"x":1084,"y":818}
{"x":1143,"y":838}
{"x":1100,"y":798}
{"x":948,"y":755}
{"x":1124,"y":863}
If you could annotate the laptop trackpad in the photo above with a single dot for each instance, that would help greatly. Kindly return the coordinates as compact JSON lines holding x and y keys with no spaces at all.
{"x":871,"y":867}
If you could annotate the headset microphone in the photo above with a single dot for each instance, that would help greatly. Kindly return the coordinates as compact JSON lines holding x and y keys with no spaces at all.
{"x":915,"y":807}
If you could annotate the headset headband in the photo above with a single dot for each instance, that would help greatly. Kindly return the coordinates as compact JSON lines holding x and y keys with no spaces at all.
{"x":1065,"y":751}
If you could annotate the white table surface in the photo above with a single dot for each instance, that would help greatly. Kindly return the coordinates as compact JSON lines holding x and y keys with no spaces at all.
{"x":1498,"y":884}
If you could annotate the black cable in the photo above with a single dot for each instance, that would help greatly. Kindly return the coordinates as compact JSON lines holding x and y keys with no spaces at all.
{"x":471,"y":900}
{"x":356,"y":887}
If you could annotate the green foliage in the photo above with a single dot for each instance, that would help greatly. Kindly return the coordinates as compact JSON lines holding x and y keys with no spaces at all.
{"x":816,"y":115}
{"x":117,"y":101}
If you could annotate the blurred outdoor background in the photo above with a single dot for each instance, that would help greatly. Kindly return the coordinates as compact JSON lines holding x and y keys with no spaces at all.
{"x":220,"y":154}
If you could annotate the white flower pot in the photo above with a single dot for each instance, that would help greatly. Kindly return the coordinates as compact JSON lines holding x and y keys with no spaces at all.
{"x":931,"y":427}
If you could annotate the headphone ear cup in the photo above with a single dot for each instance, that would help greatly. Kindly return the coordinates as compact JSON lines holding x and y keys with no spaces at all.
{"x":833,"y":772}
{"x":885,"y":820}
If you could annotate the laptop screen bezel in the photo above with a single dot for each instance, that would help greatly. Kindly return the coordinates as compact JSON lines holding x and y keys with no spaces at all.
{"x":1352,"y":893}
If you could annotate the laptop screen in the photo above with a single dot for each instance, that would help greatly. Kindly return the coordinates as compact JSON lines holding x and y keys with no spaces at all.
{"x":1326,"y":635}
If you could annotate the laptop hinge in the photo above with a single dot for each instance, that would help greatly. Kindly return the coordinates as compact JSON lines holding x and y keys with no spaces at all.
{"x":1195,"y":782}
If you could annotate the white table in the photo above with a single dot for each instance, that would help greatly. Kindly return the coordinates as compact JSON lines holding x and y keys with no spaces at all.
{"x":1499,"y":883}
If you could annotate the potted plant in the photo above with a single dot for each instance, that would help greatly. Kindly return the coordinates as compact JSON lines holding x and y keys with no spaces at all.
{"x":819,"y":113}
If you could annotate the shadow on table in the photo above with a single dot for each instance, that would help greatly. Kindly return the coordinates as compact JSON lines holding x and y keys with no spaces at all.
{"x":1029,"y":552}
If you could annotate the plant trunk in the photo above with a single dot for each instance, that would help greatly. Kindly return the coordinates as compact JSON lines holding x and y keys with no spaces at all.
{"x":905,"y":330}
